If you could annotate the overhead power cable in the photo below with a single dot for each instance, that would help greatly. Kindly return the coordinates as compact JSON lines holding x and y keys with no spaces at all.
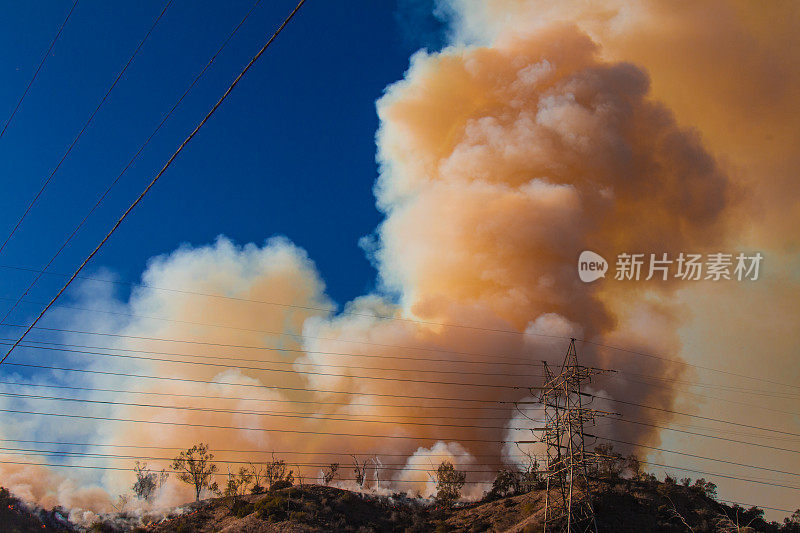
{"x":302,"y":372}
{"x":251,"y":385}
{"x":292,"y":371}
{"x":255,"y":429}
{"x":127,"y":166}
{"x":647,"y":424}
{"x":336,"y":417}
{"x":156,"y":178}
{"x":250,"y":399}
{"x":708,"y":418}
{"x":83,"y":129}
{"x":276,"y":452}
{"x":97,"y":467}
{"x":317,"y":464}
{"x":492,"y":359}
{"x":504,"y":410}
{"x":724,"y":476}
{"x":38,"y":68}
{"x":217,"y":474}
{"x":161,"y":422}
{"x":694,"y":456}
{"x":329,"y":310}
{"x":281,"y":349}
{"x":313,"y":414}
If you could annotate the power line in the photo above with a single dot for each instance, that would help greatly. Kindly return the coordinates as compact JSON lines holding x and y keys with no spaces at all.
{"x":637,"y":422}
{"x":748,"y":480}
{"x":121,"y":469}
{"x":384,"y":466}
{"x":717,"y":386}
{"x":83,"y":129}
{"x":253,"y":347}
{"x":282,"y":414}
{"x":494,"y":359}
{"x":504,"y":409}
{"x":715,"y":398}
{"x":251,"y":385}
{"x":725,"y":476}
{"x":264,"y":430}
{"x":402,"y":358}
{"x":286,"y":363}
{"x":409,"y":380}
{"x":751,"y":505}
{"x":56,"y":465}
{"x":289,"y":371}
{"x":296,"y":336}
{"x":239,"y":398}
{"x":392,"y":317}
{"x":684,"y":363}
{"x":710,"y":419}
{"x":324,"y":433}
{"x":277,"y":452}
{"x":128,"y":165}
{"x":109,"y":353}
{"x":156,"y":178}
{"x":285,"y":349}
{"x":301,"y":372}
{"x":264,"y":413}
{"x":38,"y":68}
{"x":686,"y":454}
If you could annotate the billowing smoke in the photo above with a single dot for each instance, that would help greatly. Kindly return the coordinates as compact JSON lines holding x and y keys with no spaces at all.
{"x":499,"y":163}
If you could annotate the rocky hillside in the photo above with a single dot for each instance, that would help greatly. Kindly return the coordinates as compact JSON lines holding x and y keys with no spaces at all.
{"x":621,"y":506}
{"x":17,"y":517}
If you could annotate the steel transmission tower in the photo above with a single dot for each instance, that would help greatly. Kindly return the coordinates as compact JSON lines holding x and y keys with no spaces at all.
{"x":568,"y":506}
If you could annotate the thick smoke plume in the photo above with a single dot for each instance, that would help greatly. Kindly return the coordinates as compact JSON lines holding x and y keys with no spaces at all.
{"x":499,"y":163}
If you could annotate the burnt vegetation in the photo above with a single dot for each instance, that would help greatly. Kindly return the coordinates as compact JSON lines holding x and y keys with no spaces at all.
{"x":271,"y":496}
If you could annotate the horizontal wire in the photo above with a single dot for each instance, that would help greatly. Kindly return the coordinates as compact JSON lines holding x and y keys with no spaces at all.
{"x":707,"y":418}
{"x":275,"y":452}
{"x":725,"y":476}
{"x":213,"y":397}
{"x":609,"y":439}
{"x":115,"y":353}
{"x":383,"y":466}
{"x":309,"y":373}
{"x":250,"y":411}
{"x":281,"y":414}
{"x":751,"y":505}
{"x":499,"y":386}
{"x":238,"y":428}
{"x":424,"y":322}
{"x":250,"y":385}
{"x":56,"y":465}
{"x":637,"y":422}
{"x":295,"y":336}
{"x":318,"y":415}
{"x":706,"y":397}
{"x":345,"y":354}
{"x":738,"y":390}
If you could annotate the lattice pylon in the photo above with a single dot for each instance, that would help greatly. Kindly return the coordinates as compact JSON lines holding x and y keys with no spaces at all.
{"x":567,"y":507}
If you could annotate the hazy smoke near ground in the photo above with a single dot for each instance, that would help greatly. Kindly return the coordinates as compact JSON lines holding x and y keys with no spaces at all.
{"x":499,"y":163}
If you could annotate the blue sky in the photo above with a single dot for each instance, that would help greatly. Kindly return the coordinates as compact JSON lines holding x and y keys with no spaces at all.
{"x":291,"y":152}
